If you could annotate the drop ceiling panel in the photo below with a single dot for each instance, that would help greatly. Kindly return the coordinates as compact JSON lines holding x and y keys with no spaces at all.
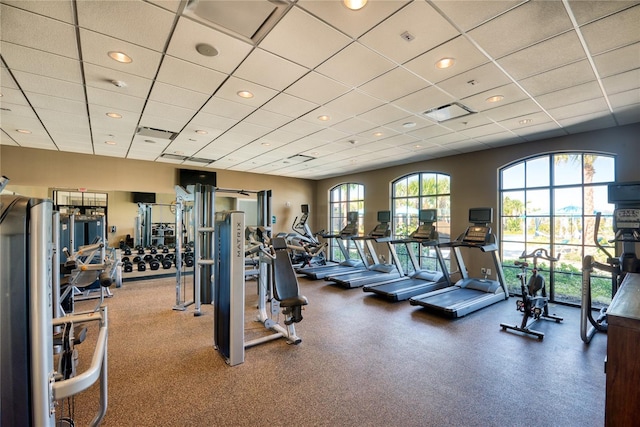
{"x":465,"y":54}
{"x":48,"y":86}
{"x":587,"y":11}
{"x":393,"y":85}
{"x":386,"y":37}
{"x":288,"y":105}
{"x":622,"y":82}
{"x":282,"y":136}
{"x":67,"y":122}
{"x":613,"y":31}
{"x":618,"y":60}
{"x":139,"y":22}
{"x":190,"y":76}
{"x":188,"y":34}
{"x":384,"y":114}
{"x":269,"y":70}
{"x":580,"y":109}
{"x":171,"y":5}
{"x":41,"y":63}
{"x":210,"y":122}
{"x":354,"y":125}
{"x":162,"y":122}
{"x":622,"y":100}
{"x":52,"y":36}
{"x":16,"y":110}
{"x":267,"y":118}
{"x":424,"y":99}
{"x":178,"y":97}
{"x":296,"y":32}
{"x":522,"y":25}
{"x":553,"y":53}
{"x":116,"y":101}
{"x":301,"y":127}
{"x":588,"y":122}
{"x":571,"y":95}
{"x":352,"y":23}
{"x":560,"y":78}
{"x":628,"y":114}
{"x":355,"y":65}
{"x":511,"y":93}
{"x":103,"y":78}
{"x":540,"y":131}
{"x":57,"y":104}
{"x":409,"y":123}
{"x":480,"y":79}
{"x":429,"y":132}
{"x":515,"y":109}
{"x":354,"y":103}
{"x":532,"y":120}
{"x":60,"y":10}
{"x":469,"y":14}
{"x":95,"y":49}
{"x":230,"y":109}
{"x":317,"y":88}
{"x":229,"y":91}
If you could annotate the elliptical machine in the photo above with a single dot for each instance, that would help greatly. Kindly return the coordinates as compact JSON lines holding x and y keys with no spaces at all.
{"x":534,"y":303}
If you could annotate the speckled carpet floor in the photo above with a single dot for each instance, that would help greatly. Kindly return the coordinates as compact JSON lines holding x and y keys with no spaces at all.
{"x":363,"y":361}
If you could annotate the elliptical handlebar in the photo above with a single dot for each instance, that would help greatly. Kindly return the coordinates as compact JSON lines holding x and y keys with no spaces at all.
{"x":535,"y":254}
{"x":595,"y":236}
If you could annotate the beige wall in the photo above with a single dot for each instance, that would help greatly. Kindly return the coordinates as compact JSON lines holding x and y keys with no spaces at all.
{"x":35,"y":172}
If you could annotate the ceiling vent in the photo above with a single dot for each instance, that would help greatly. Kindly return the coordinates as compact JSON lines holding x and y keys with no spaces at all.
{"x":173,"y":156}
{"x":250,"y":20}
{"x":298,"y":158}
{"x":448,"y":112}
{"x":199,"y":160}
{"x":157,"y":133}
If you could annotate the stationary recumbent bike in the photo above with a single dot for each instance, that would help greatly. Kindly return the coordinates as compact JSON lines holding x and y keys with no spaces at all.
{"x":534,"y":302}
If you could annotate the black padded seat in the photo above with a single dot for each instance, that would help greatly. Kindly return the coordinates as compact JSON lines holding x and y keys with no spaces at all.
{"x":285,"y":286}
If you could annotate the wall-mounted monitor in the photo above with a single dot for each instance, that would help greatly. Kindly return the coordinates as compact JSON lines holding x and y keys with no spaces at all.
{"x":192,"y":177}
{"x":305,"y":209}
{"x":384,"y":216}
{"x":144,"y":197}
{"x":352,"y":217}
{"x":427,"y":215}
{"x":481,"y":215}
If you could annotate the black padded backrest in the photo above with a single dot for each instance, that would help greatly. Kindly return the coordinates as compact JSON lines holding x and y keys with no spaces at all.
{"x":285,"y":283}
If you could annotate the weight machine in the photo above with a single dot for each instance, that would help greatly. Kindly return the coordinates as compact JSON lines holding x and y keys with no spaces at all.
{"x":278,"y":288}
{"x":626,"y":225}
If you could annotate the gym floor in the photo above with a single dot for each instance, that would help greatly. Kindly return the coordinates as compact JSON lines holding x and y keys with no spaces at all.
{"x":363,"y":361}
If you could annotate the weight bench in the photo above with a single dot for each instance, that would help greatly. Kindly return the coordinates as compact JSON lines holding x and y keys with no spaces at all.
{"x":285,"y":283}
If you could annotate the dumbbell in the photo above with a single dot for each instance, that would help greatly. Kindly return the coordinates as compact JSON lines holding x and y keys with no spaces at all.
{"x":137,"y":259}
{"x":165,"y":249}
{"x":125,"y":259}
{"x":140,"y":250}
{"x":142,"y":266}
{"x":128,"y":267}
{"x":188,"y":260}
{"x":169,"y":257}
{"x":154,"y":264}
{"x":127,"y":250}
{"x":166,"y":263}
{"x":159,"y":257}
{"x":154,"y":250}
{"x":148,"y":257}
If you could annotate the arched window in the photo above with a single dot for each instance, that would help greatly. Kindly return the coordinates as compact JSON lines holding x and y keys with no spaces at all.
{"x":550,"y":201}
{"x":344,"y":198}
{"x":409,"y":194}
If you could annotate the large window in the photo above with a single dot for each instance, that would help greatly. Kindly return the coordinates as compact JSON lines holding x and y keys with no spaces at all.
{"x":410,"y":193}
{"x":550,"y":202}
{"x":345,"y":198}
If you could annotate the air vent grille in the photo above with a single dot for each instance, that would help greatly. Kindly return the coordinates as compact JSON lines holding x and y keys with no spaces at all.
{"x":157,"y":133}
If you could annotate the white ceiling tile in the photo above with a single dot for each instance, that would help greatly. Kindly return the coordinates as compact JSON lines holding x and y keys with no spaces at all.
{"x":467,"y":122}
{"x":230,"y":88}
{"x":190,"y":76}
{"x":267,"y":118}
{"x":588,"y":122}
{"x":178,"y":97}
{"x":108,"y":98}
{"x":516,"y":124}
{"x":429,"y":132}
{"x":354,"y":24}
{"x":19,"y":110}
{"x":515,"y":109}
{"x":58,"y":104}
{"x":163,"y":116}
{"x":48,"y":86}
{"x":387,"y":113}
{"x":139,"y":22}
{"x":469,"y":14}
{"x":354,"y":103}
{"x":269,"y":70}
{"x":553,"y":53}
{"x":570,"y":95}
{"x":628,"y":114}
{"x":393,"y":85}
{"x":560,"y":78}
{"x":483,"y":130}
{"x":301,"y":127}
{"x":618,"y":60}
{"x":230,"y":109}
{"x":354,"y":125}
{"x":188,"y":34}
{"x":103,"y":78}
{"x":282,"y":135}
{"x":355,"y":65}
{"x":511,"y":93}
{"x":36,"y":31}
{"x":623,"y":99}
{"x":589,"y":10}
{"x":421,"y":21}
{"x":522,"y":26}
{"x":622,"y":82}
{"x":317,"y":88}
{"x":41,"y":63}
{"x":288,"y":105}
{"x":614,"y":31}
{"x":171,"y":5}
{"x":296,"y":32}
{"x":579,"y":109}
{"x":58,"y":120}
{"x":210,"y":122}
{"x":480,"y":79}
{"x":59,"y":10}
{"x":423,"y":100}
{"x":465,"y":54}
{"x":535,"y":132}
{"x":252,"y":130}
{"x":6,"y":80}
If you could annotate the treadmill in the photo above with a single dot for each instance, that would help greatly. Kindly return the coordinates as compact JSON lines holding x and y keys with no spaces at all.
{"x":349,"y":264}
{"x":376,"y":272}
{"x":469,"y":294}
{"x":422,"y":280}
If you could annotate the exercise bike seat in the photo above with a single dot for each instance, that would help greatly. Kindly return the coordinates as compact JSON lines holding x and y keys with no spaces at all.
{"x":535,"y":284}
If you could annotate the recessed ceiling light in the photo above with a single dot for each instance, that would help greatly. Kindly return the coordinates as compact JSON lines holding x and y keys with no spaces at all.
{"x":245,"y":94}
{"x":205,"y":49}
{"x":120,"y":57}
{"x":409,"y":124}
{"x":495,"y":98}
{"x":355,"y":4}
{"x":445,"y":63}
{"x":266,"y":144}
{"x":417,"y":146}
{"x":378,"y":134}
{"x":202,"y":132}
{"x":114,"y":115}
{"x":525,"y":121}
{"x":324,"y":118}
{"x":110,"y":142}
{"x":25,"y":131}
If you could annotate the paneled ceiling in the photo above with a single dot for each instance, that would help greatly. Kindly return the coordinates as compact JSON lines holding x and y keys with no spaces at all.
{"x":333,"y":90}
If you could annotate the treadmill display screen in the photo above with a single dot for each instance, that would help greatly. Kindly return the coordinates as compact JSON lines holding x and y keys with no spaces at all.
{"x":477,"y":234}
{"x":481,"y":215}
{"x":427,"y":215}
{"x":384,"y":216}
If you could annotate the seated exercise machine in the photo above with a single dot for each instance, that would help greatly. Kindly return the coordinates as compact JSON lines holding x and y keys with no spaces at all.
{"x":534,"y":303}
{"x":376,"y":272}
{"x":278,"y":289}
{"x":626,"y":225}
{"x":349,"y":264}
{"x":469,"y":294}
{"x":37,"y":368}
{"x":421,"y":280}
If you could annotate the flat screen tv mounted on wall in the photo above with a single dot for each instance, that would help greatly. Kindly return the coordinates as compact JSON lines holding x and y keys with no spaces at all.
{"x":144,"y":197}
{"x":193,"y":177}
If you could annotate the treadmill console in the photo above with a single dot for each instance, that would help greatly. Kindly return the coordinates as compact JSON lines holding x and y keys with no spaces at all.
{"x":425,"y":231}
{"x":477,"y":234}
{"x":381,"y":230}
